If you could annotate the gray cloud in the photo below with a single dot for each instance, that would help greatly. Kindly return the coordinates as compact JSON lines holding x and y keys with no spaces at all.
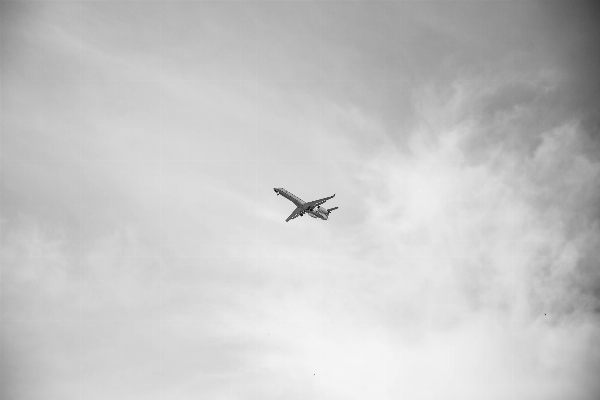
{"x":143,"y":251}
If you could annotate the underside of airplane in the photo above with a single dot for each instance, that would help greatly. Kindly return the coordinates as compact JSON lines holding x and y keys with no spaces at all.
{"x":312,"y":208}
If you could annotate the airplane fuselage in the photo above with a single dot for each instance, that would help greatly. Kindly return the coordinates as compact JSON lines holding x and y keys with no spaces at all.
{"x":315,"y":212}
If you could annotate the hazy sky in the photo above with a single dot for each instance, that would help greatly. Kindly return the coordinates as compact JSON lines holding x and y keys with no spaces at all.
{"x":146,"y":256}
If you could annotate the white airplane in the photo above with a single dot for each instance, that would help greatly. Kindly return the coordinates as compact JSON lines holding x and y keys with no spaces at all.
{"x":313,"y":208}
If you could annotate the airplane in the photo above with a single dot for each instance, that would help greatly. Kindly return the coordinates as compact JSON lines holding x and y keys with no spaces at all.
{"x":313,"y":208}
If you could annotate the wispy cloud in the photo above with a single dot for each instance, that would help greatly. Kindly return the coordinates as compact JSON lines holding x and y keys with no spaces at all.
{"x":144,"y":253}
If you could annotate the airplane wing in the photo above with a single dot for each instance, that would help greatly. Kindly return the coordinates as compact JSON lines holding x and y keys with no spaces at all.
{"x":315,"y":203}
{"x":294,"y":214}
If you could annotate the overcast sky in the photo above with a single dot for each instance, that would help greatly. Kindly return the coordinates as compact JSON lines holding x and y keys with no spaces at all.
{"x":146,"y":256}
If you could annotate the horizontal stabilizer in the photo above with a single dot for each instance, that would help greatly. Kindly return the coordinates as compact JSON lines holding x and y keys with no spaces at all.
{"x":331,"y":209}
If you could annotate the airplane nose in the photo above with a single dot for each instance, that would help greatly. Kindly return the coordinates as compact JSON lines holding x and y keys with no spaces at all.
{"x":275,"y":190}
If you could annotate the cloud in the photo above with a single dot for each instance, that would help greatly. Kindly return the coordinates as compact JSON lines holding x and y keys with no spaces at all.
{"x":144,"y":252}
{"x":506,"y":239}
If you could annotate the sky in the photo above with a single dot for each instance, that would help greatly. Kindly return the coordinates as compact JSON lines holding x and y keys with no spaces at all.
{"x":144,"y":253}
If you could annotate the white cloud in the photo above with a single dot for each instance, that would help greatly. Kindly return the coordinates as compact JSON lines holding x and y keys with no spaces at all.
{"x":462,"y":262}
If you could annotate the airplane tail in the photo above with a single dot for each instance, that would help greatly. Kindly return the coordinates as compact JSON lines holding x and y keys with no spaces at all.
{"x":331,"y":209}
